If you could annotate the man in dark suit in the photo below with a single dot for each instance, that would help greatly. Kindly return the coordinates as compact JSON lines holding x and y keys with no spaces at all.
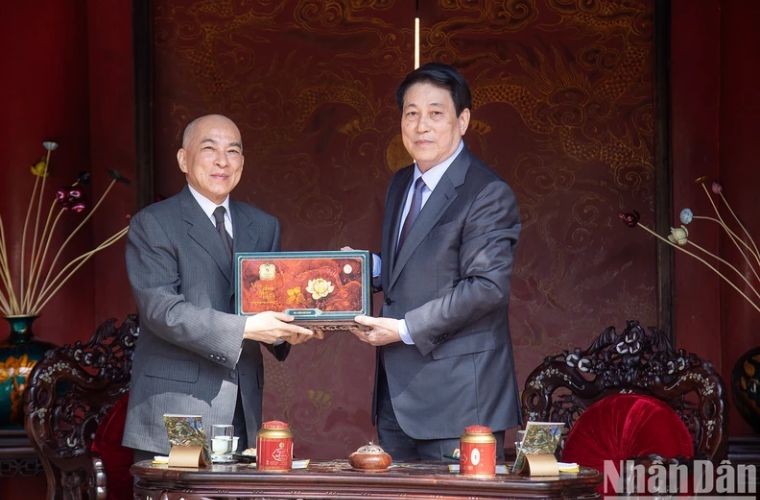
{"x":445,"y":354}
{"x":194,"y":355}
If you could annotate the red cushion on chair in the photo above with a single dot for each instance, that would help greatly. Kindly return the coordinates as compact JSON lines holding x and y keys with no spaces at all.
{"x":117,"y":459}
{"x":625,"y":426}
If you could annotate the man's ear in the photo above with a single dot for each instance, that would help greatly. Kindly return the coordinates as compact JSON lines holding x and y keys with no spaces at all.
{"x":181,"y":153}
{"x":464,"y":120}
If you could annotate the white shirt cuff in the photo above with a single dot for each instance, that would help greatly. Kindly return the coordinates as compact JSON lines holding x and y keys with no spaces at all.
{"x":377,"y":265}
{"x":403,"y":332}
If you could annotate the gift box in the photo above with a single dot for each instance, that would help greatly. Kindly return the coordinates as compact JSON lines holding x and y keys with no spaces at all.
{"x":325,"y":289}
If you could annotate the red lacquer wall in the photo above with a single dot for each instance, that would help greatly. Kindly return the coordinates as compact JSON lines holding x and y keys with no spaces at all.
{"x":739,"y":169}
{"x":67,"y":76}
{"x":45,"y":96}
{"x":563,"y":110}
{"x":44,"y":93}
{"x":112,"y":146}
{"x":716,"y":109}
{"x":695,"y":96}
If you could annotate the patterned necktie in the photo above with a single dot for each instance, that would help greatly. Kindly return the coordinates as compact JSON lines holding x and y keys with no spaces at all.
{"x":414,"y":210}
{"x":223,"y":234}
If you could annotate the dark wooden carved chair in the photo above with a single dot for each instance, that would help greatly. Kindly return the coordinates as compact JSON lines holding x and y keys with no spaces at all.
{"x":638,"y":362}
{"x":70,"y":392}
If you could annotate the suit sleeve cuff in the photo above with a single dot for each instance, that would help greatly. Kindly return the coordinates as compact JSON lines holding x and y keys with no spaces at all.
{"x":403,"y":332}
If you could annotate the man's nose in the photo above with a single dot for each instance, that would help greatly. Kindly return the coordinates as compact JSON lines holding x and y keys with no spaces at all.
{"x":422,"y":124}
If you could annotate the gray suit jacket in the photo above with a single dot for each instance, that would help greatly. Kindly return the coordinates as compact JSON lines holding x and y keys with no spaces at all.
{"x":450,"y":281}
{"x":188,"y":358}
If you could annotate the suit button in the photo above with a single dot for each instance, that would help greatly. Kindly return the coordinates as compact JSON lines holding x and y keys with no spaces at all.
{"x":388,"y":301}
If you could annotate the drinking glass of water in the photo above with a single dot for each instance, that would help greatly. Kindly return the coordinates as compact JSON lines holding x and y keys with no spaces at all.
{"x":221,"y":443}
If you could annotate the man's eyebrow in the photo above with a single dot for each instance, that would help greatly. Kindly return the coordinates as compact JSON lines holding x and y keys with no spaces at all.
{"x":432,"y":104}
{"x":213,"y":141}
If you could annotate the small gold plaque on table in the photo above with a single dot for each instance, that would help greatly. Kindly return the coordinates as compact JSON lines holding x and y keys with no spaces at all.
{"x":189,"y":447}
{"x":539,"y":443}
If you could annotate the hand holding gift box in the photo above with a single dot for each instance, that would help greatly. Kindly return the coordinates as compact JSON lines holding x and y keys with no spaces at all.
{"x":273,"y":327}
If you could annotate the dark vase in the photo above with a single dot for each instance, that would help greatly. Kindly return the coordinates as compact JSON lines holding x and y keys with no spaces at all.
{"x":745,"y":382}
{"x":18,"y":355}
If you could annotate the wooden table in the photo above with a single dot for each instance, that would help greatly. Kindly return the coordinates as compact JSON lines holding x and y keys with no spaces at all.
{"x":336,"y":479}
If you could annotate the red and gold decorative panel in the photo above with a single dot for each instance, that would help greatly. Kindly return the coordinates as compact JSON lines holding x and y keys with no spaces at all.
{"x":563,"y":110}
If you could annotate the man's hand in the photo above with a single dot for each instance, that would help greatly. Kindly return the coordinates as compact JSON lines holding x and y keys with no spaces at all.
{"x":268,"y":326}
{"x":317,"y":332}
{"x":383,"y":331}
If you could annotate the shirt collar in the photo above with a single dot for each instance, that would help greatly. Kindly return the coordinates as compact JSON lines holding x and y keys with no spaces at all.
{"x":209,"y":206}
{"x":434,"y":175}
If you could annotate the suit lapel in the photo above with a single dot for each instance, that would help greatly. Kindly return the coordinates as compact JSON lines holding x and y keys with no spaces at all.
{"x":202,"y":231}
{"x":441,"y":197}
{"x":246,"y":237}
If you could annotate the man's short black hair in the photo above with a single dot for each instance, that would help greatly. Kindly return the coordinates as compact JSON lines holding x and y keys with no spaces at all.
{"x":440,"y":75}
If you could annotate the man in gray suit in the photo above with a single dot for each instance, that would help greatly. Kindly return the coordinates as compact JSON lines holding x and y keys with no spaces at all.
{"x":194,"y":355}
{"x":445,"y":354}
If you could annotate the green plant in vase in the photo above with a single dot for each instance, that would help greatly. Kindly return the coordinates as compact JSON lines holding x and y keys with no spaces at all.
{"x":30,"y":282}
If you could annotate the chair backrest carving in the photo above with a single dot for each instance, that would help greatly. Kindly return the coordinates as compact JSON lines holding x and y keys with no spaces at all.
{"x":69,"y":392}
{"x":634,"y":361}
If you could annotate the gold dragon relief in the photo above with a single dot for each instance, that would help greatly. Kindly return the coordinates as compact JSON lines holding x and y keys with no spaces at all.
{"x":349,"y":93}
{"x":603,"y":15}
{"x":579,"y":117}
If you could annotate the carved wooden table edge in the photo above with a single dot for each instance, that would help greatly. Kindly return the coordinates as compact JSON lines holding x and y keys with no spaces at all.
{"x":336,"y":479}
{"x":17,"y":456}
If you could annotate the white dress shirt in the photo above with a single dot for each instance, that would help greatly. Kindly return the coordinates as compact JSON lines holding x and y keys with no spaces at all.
{"x":209,"y":206}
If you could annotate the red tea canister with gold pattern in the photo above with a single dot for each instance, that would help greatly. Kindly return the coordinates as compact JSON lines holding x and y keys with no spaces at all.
{"x":274,"y":447}
{"x":477,"y":452}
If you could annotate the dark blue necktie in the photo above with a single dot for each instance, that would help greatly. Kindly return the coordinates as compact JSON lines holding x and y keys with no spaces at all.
{"x":414,"y":210}
{"x":223,"y":234}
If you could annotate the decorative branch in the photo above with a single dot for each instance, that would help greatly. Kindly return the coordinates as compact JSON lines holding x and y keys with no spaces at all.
{"x":39,"y":170}
{"x":745,"y":244}
{"x":46,"y":294}
{"x":33,"y":293}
